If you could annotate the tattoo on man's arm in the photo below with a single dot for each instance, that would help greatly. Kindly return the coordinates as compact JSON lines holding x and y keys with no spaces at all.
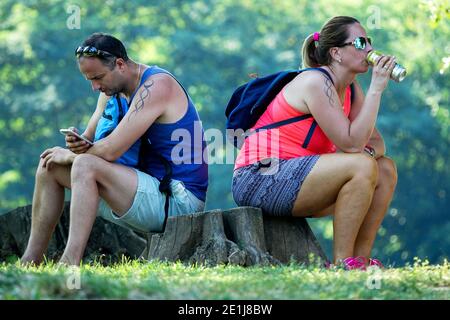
{"x":329,"y":91}
{"x":143,"y":95}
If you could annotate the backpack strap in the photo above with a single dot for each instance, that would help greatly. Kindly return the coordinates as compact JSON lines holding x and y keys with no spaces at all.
{"x":121,"y":111}
{"x":325,"y":72}
{"x":282,"y":123}
{"x":309,"y":135}
{"x":164,"y":183}
{"x":314,"y":123}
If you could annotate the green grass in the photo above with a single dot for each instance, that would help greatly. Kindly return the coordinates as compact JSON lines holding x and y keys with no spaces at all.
{"x":156,"y":280}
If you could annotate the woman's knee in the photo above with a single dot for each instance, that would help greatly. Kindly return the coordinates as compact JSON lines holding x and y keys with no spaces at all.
{"x":387,"y":171}
{"x":365,"y":167}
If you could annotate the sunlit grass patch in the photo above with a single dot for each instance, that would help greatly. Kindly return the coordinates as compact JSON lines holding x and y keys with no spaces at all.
{"x":137,"y":279}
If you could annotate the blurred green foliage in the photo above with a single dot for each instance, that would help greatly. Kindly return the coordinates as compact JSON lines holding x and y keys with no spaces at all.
{"x":211,"y":47}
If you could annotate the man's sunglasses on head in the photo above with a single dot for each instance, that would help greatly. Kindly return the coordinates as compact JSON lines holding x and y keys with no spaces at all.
{"x":359,"y":43}
{"x":90,"y":51}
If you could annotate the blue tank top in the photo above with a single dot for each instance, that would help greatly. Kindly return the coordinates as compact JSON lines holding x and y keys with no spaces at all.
{"x":181,"y":143}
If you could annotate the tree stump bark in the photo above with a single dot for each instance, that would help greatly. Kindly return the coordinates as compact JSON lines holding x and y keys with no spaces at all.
{"x":195,"y":238}
{"x":291,"y":239}
{"x":107,"y":242}
{"x":240,"y":236}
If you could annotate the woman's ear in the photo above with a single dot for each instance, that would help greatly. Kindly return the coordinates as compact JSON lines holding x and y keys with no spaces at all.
{"x":335,"y":54}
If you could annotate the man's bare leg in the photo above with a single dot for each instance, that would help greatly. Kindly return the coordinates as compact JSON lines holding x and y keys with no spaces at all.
{"x":93,"y":177}
{"x":48,"y":202}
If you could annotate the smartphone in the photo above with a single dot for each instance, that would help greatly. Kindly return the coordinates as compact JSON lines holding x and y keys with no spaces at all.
{"x":79,"y":136}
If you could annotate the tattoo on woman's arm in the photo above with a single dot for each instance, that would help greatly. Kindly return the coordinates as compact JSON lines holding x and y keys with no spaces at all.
{"x":143,"y":95}
{"x":329,"y":91}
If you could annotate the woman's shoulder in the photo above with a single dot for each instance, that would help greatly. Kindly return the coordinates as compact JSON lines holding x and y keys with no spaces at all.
{"x":306,"y":83}
{"x":310,"y":78}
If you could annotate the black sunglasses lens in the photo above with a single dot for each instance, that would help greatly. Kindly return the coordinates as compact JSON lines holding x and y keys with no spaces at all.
{"x":86,"y":51}
{"x":360,"y":43}
{"x":90,"y":50}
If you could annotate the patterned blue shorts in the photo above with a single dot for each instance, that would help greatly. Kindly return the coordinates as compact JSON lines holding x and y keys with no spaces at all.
{"x":271,"y":184}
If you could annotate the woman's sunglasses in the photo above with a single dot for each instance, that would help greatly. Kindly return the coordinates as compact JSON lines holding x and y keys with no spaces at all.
{"x":359,"y":43}
{"x":90,"y":51}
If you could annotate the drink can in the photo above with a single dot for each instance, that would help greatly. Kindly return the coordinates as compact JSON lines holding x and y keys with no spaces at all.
{"x":398,"y":73}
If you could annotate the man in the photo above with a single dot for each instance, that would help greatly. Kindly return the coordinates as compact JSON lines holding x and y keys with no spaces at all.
{"x":138,"y":195}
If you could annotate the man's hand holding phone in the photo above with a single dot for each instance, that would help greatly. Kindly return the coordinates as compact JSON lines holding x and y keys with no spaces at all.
{"x":75,"y":141}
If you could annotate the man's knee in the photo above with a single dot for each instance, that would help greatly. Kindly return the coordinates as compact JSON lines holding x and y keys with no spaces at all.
{"x":388,"y":171}
{"x":42,"y":173}
{"x":84,"y":167}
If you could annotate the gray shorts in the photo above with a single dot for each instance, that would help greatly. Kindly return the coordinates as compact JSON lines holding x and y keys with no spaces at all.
{"x":147,"y":211}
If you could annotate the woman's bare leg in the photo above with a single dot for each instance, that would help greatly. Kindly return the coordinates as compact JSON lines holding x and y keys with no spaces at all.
{"x":384,"y":191}
{"x":348,"y":181}
{"x":387,"y":179}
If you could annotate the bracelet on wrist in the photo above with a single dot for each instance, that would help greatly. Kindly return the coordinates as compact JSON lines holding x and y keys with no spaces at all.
{"x":370,"y":151}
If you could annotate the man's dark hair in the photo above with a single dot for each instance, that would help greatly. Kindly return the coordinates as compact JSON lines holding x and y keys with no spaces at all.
{"x":108,"y":43}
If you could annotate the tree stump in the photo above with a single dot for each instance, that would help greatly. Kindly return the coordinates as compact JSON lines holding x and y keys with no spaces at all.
{"x":107,"y":241}
{"x":240,"y":236}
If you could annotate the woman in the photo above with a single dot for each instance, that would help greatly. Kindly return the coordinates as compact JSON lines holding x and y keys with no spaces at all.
{"x":305,"y":177}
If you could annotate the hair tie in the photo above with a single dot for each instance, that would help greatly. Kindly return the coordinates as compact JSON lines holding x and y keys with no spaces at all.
{"x":316,"y":36}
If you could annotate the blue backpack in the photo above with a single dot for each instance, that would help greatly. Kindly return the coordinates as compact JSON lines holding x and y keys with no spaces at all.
{"x":115,"y":110}
{"x":250,"y":100}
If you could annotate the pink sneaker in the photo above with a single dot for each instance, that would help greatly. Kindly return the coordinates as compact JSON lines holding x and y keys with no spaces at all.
{"x":375,"y":263}
{"x":352,"y":263}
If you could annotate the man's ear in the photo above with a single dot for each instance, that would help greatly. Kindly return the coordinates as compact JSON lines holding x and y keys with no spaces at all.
{"x":120,"y":63}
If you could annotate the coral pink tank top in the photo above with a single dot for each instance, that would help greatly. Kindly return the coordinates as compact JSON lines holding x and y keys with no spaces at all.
{"x":288,"y":141}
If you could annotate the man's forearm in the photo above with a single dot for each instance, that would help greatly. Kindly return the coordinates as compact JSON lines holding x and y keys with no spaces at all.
{"x":94,"y":150}
{"x":102,"y":149}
